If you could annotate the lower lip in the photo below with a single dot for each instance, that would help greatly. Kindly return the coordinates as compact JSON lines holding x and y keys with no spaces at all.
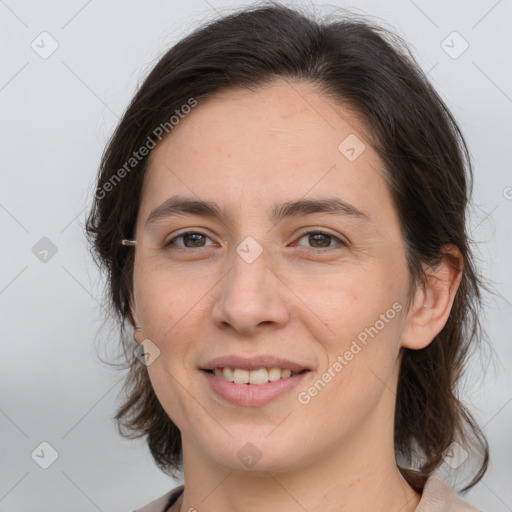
{"x":252,"y":395}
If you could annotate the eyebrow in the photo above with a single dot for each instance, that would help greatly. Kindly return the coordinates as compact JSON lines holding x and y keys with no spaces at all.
{"x":180,"y":205}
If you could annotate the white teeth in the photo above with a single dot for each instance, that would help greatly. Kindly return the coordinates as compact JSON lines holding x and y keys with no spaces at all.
{"x":259,"y":376}
{"x":274,"y":374}
{"x":240,"y":376}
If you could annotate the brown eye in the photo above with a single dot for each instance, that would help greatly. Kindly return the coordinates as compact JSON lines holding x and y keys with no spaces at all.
{"x":321,"y":240}
{"x":190,"y":239}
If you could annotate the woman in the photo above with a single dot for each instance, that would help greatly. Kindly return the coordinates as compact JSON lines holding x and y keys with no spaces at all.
{"x":281,"y":214}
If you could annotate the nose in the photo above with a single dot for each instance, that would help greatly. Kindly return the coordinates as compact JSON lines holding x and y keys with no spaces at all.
{"x":251,"y":296}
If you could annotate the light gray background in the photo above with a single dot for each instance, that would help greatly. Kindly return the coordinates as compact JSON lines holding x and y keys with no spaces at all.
{"x":56,"y":115}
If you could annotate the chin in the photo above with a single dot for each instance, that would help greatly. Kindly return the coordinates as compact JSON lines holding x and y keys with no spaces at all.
{"x":256,"y":454}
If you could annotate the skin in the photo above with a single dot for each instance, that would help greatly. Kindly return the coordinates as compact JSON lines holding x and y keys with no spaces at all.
{"x":247,"y":150}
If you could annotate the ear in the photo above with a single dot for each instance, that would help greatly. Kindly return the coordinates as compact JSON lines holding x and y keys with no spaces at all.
{"x":433,"y":300}
{"x":137,"y":334}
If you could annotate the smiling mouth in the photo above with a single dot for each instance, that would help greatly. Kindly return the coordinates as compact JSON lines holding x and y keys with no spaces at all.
{"x":255,"y":377}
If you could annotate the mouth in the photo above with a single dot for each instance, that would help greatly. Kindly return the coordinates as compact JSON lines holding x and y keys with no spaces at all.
{"x":255,"y":377}
{"x":252,"y":388}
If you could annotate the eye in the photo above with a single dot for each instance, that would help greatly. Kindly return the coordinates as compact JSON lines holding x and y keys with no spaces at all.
{"x":191,"y":239}
{"x":196,"y":239}
{"x":321,"y":239}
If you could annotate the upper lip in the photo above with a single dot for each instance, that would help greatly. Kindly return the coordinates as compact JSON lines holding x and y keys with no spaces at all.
{"x":253,"y":363}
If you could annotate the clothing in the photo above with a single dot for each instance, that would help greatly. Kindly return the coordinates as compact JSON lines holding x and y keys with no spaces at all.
{"x":437,"y":496}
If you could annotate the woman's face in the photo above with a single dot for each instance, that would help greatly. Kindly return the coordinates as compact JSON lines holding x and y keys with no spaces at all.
{"x":255,"y":282}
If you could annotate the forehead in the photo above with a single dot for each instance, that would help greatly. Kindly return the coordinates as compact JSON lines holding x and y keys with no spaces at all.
{"x":290,"y":118}
{"x":283,"y":141}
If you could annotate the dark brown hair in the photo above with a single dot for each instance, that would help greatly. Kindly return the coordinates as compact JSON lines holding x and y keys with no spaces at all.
{"x":365,"y":67}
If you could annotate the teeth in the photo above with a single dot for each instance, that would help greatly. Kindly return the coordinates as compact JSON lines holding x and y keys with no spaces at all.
{"x":259,"y":376}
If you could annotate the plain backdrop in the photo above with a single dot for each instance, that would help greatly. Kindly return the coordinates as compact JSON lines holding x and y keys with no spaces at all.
{"x":57,"y":111}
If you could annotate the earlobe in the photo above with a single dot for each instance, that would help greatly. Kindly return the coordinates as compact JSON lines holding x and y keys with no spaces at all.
{"x":433,"y":300}
{"x":137,"y":330}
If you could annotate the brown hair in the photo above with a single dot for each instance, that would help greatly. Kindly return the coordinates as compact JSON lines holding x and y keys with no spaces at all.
{"x":428,"y":169}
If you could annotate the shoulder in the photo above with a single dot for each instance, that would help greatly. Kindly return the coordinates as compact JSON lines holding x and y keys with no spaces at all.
{"x":437,"y":496}
{"x":160,"y":504}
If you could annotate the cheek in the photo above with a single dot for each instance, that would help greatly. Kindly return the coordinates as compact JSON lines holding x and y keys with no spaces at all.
{"x":357,"y":320}
{"x":164,"y":295}
{"x":360,"y":357}
{"x":172,"y":307}
{"x":340,"y":305}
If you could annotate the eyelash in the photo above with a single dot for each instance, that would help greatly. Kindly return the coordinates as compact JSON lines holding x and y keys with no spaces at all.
{"x":170,"y":243}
